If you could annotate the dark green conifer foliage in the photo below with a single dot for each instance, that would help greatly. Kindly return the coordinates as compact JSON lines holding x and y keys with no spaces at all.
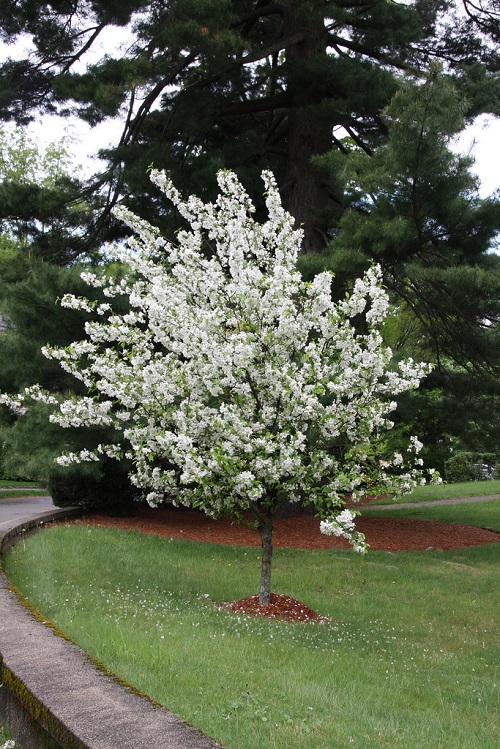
{"x":32,"y":318}
{"x":38,"y":246}
{"x":414,"y":207}
{"x":243,"y":84}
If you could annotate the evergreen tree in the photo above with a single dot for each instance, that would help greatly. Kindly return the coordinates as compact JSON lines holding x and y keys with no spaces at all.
{"x":32,"y":318}
{"x":42,"y":211}
{"x":414,"y":206}
{"x":239,"y":83}
{"x":42,"y":218}
{"x":40,"y":222}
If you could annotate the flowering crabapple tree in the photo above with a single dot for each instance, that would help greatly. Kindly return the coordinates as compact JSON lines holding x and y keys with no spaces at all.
{"x":232,"y":385}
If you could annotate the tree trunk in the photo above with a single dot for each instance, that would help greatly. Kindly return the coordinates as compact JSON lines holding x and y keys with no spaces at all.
{"x":308,"y":192}
{"x":265,"y":528}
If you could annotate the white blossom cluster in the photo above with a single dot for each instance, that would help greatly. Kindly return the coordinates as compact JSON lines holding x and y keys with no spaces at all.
{"x":343,"y":526}
{"x":233,"y":383}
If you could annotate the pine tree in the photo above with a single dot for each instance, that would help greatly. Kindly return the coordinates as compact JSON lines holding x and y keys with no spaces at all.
{"x":42,"y":210}
{"x":414,"y":206}
{"x":240,"y":84}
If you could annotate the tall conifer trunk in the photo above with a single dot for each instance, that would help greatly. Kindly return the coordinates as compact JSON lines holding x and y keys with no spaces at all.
{"x":307,"y":193}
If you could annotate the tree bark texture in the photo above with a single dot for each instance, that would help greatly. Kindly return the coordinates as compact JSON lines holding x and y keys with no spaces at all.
{"x":308,"y":194}
{"x":265,"y":528}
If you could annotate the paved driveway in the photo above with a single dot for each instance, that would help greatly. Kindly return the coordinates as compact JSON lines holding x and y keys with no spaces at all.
{"x":18,"y":508}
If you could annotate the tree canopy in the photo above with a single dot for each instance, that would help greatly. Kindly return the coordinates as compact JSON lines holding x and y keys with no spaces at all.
{"x":42,"y":219}
{"x":233,"y":385}
{"x":413,"y":205}
{"x":43,"y":211}
{"x":203,"y":85}
{"x":353,"y":104}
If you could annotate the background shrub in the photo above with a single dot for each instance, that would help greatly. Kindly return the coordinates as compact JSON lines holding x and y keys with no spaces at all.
{"x":472,"y":466}
{"x":98,"y":487}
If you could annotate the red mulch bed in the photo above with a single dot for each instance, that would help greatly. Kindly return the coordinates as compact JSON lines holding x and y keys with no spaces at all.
{"x":300,"y":531}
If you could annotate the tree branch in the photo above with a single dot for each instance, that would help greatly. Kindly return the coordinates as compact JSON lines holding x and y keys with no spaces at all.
{"x":338,"y":42}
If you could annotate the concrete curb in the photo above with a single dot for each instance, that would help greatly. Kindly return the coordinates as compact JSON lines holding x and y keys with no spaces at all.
{"x":76,"y":703}
{"x":12,"y":531}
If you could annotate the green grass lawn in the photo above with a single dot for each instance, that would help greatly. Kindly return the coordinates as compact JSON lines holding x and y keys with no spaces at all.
{"x":4,"y":736}
{"x":20,"y":489}
{"x":28,"y":492}
{"x":448,"y":491}
{"x":408,"y":661}
{"x":482,"y":514}
{"x":14,"y":484}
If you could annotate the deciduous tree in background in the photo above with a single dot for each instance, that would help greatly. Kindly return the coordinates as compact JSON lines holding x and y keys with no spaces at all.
{"x":231,"y":384}
{"x":42,"y":211}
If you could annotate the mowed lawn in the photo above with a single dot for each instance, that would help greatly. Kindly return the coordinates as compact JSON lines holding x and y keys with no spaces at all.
{"x":430,"y":493}
{"x":10,"y":489}
{"x":484,"y":513}
{"x":408,"y":660}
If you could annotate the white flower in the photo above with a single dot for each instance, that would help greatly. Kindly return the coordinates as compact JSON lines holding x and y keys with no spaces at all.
{"x":229,"y":382}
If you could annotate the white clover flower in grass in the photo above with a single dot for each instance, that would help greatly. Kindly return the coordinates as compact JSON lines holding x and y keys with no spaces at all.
{"x":231,"y":384}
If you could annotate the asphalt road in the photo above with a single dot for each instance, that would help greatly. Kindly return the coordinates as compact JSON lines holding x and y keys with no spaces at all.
{"x":18,"y":508}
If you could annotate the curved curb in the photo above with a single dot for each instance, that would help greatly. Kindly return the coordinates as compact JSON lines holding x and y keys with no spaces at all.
{"x":78,"y":705}
{"x":12,"y":531}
